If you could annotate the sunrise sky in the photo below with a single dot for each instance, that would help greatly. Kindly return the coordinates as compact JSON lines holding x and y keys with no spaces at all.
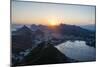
{"x":50,"y":13}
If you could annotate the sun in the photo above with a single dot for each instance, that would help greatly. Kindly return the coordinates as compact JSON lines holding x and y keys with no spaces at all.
{"x":53,"y":22}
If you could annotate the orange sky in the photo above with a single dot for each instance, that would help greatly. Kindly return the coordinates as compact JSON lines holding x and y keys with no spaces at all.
{"x":48,"y":13}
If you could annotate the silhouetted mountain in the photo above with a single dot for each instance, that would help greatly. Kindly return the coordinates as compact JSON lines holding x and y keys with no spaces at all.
{"x":38,"y":36}
{"x":22,"y":38}
{"x":90,"y":27}
{"x":44,"y":55}
{"x":24,"y":31}
{"x":60,"y":33}
{"x":74,"y":30}
{"x":14,"y":27}
{"x":34,"y":27}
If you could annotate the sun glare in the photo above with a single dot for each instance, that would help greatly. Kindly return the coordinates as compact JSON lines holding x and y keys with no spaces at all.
{"x":53,"y":22}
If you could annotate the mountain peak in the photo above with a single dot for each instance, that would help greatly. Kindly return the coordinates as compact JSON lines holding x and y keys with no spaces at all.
{"x":48,"y":55}
{"x":24,"y":30}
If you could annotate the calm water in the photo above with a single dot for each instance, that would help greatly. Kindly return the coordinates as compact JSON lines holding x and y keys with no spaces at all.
{"x":77,"y":50}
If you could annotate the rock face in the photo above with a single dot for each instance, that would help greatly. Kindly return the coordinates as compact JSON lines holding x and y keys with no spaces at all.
{"x":61,"y":33}
{"x":40,"y":40}
{"x":44,"y":55}
{"x":22,"y":39}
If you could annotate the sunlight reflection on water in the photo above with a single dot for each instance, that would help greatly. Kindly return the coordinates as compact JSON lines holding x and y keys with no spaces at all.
{"x":77,"y":50}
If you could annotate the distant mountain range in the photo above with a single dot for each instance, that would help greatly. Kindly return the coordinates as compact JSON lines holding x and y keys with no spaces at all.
{"x":41,"y":40}
{"x":91,"y":27}
{"x":60,"y":33}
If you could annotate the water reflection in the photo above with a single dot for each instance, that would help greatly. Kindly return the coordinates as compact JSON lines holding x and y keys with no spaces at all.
{"x":77,"y":50}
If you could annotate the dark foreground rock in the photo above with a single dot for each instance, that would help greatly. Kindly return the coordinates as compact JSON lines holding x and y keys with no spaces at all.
{"x":44,"y":55}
